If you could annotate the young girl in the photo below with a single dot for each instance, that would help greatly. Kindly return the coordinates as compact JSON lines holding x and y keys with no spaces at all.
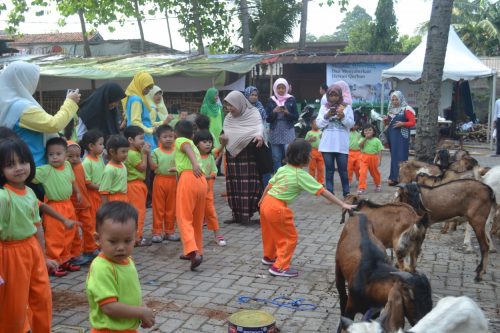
{"x":93,"y":164}
{"x":371,"y":156}
{"x":279,"y":236}
{"x":24,"y":280}
{"x":317,"y":164}
{"x":354,"y":152}
{"x":204,"y":141}
{"x":114,"y":179}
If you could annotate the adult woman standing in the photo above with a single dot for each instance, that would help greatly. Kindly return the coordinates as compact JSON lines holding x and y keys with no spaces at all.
{"x":243,"y":134}
{"x":159,"y":109}
{"x":22,"y":113}
{"x":282,"y":114}
{"x":336,"y":118}
{"x":400,"y":118}
{"x":213,"y":110}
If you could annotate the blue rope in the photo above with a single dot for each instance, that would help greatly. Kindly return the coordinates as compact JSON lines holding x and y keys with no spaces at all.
{"x":281,"y":302}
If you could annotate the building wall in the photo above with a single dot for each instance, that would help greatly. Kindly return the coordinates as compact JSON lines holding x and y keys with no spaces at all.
{"x":305,"y":80}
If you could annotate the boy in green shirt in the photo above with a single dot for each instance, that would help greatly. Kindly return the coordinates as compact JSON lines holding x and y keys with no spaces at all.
{"x":317,"y":164}
{"x":113,"y":185}
{"x":371,"y":148}
{"x":354,"y":153}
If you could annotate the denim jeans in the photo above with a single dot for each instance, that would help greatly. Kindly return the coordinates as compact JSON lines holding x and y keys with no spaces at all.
{"x":279,"y":152}
{"x":341,"y":160}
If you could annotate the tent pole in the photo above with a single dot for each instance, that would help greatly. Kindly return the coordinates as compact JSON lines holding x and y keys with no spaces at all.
{"x":491,"y":117}
{"x":382,"y":99}
{"x":271,"y":80}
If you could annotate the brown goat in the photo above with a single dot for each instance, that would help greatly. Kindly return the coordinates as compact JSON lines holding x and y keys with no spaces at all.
{"x":408,"y":170}
{"x":465,"y":163}
{"x":469,"y":198}
{"x":361,"y":262}
{"x":396,"y":225}
{"x":446,"y":177}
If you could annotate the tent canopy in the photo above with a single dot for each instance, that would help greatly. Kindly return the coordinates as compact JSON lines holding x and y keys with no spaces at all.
{"x":460,"y":63}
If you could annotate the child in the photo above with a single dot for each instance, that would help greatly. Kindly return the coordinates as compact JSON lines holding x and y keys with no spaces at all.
{"x":202,"y":122}
{"x":24,"y":279}
{"x":183,"y":115}
{"x":83,"y":210}
{"x":136,"y":163}
{"x":113,"y":287}
{"x":354,"y":152}
{"x":317,"y":165}
{"x":93,"y":164}
{"x":191,"y":193}
{"x":371,"y":156}
{"x":164,"y":186}
{"x":279,"y":236}
{"x":204,"y":141}
{"x":113,"y":185}
{"x":58,"y":181}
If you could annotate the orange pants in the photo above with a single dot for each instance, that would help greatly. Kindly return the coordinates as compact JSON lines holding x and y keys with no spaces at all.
{"x":279,"y":236}
{"x":118,"y":196}
{"x":59,"y":239}
{"x":88,"y":228}
{"x":26,"y":284}
{"x":353,"y":162}
{"x":369,"y":162}
{"x":317,"y":166}
{"x":137,"y":192}
{"x":95,"y":201}
{"x":210,"y":213}
{"x":190,"y":208}
{"x":164,"y":191}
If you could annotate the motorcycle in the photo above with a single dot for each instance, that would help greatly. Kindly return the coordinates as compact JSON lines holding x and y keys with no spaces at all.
{"x":303,"y":124}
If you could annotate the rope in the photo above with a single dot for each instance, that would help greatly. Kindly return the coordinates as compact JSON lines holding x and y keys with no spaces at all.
{"x":281,"y":302}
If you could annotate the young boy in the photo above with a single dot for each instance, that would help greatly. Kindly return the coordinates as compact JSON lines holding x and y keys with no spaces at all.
{"x":113,"y":287}
{"x":191,"y":193}
{"x":58,"y":181}
{"x":354,"y":152}
{"x":371,"y":155}
{"x":316,"y":164}
{"x":113,"y":185}
{"x":136,"y":163}
{"x":164,"y":186}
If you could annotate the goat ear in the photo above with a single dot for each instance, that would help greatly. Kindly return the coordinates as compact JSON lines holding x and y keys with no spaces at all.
{"x":345,"y":322}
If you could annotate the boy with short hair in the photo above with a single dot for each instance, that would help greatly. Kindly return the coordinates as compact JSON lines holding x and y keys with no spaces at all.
{"x":316,"y":163}
{"x":113,"y":287}
{"x":113,"y":185}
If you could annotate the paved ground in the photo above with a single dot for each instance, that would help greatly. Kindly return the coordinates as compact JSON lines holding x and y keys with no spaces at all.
{"x":202,"y":301}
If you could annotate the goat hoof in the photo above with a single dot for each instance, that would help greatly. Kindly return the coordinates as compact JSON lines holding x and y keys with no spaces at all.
{"x":478,"y":279}
{"x":469,"y":249}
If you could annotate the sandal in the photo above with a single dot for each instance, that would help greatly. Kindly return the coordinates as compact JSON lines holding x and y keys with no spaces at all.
{"x":58,"y":272}
{"x":220,"y":240}
{"x":70,"y":267}
{"x":391,"y":182}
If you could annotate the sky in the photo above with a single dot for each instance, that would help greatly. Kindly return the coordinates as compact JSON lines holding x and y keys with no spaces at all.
{"x":321,"y":20}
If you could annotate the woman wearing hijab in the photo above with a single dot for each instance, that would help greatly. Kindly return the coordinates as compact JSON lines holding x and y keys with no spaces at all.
{"x":137,"y":109}
{"x":213,"y":110}
{"x":159,"y":109}
{"x":336,"y":118}
{"x":100,"y":111}
{"x":400,"y":118}
{"x":22,"y":113}
{"x":243,"y":134}
{"x":282,"y":115}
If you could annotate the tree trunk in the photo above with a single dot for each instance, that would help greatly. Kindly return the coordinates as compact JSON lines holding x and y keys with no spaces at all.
{"x":139,"y":24}
{"x":431,"y":81}
{"x":244,"y":25}
{"x":86,"y":45}
{"x":168,"y":29}
{"x":199,"y":30}
{"x":303,"y":25}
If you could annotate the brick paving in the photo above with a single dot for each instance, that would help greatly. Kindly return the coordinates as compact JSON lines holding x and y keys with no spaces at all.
{"x":202,"y":301}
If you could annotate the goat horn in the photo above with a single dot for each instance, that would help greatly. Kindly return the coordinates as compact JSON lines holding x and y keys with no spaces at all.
{"x":403,"y":275}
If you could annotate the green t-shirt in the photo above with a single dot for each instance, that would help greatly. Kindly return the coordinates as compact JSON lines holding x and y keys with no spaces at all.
{"x":107,"y":280}
{"x":57,"y":183}
{"x":164,"y":159}
{"x":208,"y":165}
{"x":289,"y":181}
{"x":182,"y":161}
{"x":94,"y":169}
{"x":372,"y":146}
{"x":18,"y":213}
{"x":354,"y":137}
{"x":114,"y":179}
{"x":134,"y":158}
{"x":316,"y":135}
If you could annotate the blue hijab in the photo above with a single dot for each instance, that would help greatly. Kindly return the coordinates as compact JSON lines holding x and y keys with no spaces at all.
{"x":248,"y":91}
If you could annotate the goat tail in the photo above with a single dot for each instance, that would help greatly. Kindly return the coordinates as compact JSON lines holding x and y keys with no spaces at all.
{"x":341,"y":288}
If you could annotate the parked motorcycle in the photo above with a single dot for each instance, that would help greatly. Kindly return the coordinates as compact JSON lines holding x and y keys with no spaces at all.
{"x":303,"y":125}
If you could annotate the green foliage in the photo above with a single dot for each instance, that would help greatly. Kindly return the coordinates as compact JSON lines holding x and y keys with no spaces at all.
{"x":407,"y":44}
{"x":311,"y":38}
{"x":385,"y":31}
{"x":351,"y":20}
{"x":16,"y":14}
{"x":360,"y":37}
{"x":96,"y":12}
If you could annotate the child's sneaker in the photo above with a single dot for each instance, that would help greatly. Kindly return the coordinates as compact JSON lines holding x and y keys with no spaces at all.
{"x":290,"y":272}
{"x":220,"y":240}
{"x":172,"y":237}
{"x":143,"y":242}
{"x":157,"y":239}
{"x":268,"y":261}
{"x":59,"y":272}
{"x":360,"y":192}
{"x":378,"y":188}
{"x":70,"y":267}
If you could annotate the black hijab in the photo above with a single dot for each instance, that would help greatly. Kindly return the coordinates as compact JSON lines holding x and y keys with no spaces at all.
{"x":95,"y":113}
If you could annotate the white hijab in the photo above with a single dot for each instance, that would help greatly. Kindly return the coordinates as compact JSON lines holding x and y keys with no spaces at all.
{"x":242,"y":129}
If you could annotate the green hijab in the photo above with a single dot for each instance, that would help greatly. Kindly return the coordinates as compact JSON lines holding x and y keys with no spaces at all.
{"x":209,"y":107}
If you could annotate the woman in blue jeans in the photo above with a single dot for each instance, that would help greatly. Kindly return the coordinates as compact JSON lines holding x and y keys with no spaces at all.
{"x":282,"y":114}
{"x":336,"y":119}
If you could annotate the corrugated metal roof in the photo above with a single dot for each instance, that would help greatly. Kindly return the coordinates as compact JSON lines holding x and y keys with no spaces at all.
{"x":345,"y":58}
{"x":62,"y":37}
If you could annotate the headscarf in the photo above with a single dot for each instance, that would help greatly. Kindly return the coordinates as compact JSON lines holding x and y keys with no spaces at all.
{"x":346,"y":92}
{"x":161,"y":108}
{"x":248,"y":91}
{"x":18,"y":83}
{"x":243,"y":128}
{"x":280,"y":100}
{"x":140,"y":81}
{"x":210,"y":107}
{"x":94,"y":110}
{"x":403,"y":105}
{"x":338,"y":89}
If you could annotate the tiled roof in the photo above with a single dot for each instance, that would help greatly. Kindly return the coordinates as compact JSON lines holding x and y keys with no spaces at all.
{"x":64,"y":37}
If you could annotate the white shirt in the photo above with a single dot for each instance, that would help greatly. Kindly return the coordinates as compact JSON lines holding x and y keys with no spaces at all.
{"x":323,"y":100}
{"x":497,"y":108}
{"x":335,"y":137}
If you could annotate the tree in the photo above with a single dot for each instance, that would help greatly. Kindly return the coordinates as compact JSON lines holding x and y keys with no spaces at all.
{"x":245,"y":29}
{"x":432,"y":74}
{"x":352,"y":19}
{"x":385,"y":31}
{"x":407,"y":44}
{"x":311,"y":38}
{"x":360,"y":37}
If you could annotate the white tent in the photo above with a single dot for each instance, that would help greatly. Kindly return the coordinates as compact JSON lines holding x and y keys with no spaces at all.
{"x":460,"y":64}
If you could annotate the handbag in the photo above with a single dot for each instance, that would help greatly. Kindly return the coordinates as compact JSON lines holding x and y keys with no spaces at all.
{"x":263,"y":158}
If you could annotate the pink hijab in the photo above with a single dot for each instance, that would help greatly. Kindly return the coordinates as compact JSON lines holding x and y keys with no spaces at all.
{"x":280,"y":100}
{"x":346,"y":92}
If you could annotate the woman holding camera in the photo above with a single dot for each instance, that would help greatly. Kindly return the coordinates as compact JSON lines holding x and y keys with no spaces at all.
{"x":336,"y":119}
{"x":282,"y":115}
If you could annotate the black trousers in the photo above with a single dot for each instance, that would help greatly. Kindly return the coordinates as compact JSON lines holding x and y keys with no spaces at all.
{"x":498,"y":136}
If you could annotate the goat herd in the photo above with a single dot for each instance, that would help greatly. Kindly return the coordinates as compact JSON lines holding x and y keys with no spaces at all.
{"x":454,"y":186}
